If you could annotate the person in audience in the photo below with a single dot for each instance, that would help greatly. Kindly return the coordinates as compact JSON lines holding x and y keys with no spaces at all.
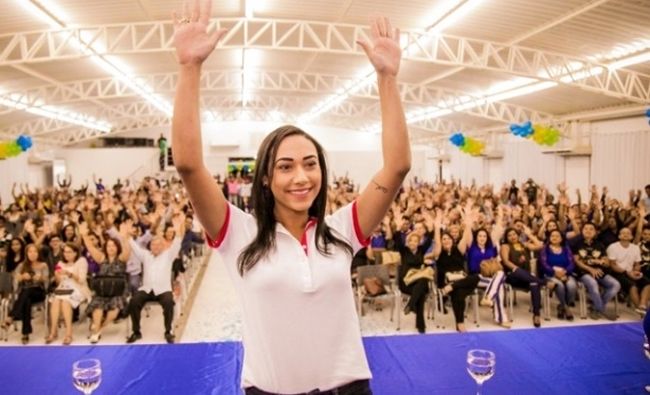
{"x":52,"y":252}
{"x":112,"y":260}
{"x":557,"y":265}
{"x":625,"y":261}
{"x":289,"y":263}
{"x":71,"y":290}
{"x":156,"y":281}
{"x":6,"y":278}
{"x":451,"y":267}
{"x":515,"y":256}
{"x":191,"y":237}
{"x":482,"y":249}
{"x":15,"y":254}
{"x":592,"y":270}
{"x":644,"y":245}
{"x":412,"y":257}
{"x":646,"y":330}
{"x":32,"y":277}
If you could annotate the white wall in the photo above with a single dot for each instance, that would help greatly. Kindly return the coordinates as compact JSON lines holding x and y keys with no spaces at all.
{"x":619,"y":160}
{"x":12,"y":170}
{"x":109,"y":164}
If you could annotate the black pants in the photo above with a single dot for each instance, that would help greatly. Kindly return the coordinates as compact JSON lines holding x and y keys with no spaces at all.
{"x":359,"y":387}
{"x":521,"y":278}
{"x":627,"y":282}
{"x":418,"y":291}
{"x":22,"y":308}
{"x":166,"y":300}
{"x":461,"y":290}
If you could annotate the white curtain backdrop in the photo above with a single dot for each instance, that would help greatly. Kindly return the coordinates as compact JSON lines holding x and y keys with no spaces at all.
{"x":524,"y":159}
{"x":465,"y":167}
{"x":621,"y":161}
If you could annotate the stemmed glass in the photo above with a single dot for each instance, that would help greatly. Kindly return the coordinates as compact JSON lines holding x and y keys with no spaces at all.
{"x":480,"y":365}
{"x":86,"y":375}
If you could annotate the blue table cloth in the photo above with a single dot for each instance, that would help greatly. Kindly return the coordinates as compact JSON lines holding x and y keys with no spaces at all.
{"x":603,"y":359}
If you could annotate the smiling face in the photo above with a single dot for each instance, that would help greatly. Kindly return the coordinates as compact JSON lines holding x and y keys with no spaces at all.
{"x":296,"y":173}
{"x":481,"y":238}
{"x":555,"y":238}
{"x":512,"y":236}
{"x":69,"y":254}
{"x":446,"y":242}
{"x":413,"y":241}
{"x":32,"y":253}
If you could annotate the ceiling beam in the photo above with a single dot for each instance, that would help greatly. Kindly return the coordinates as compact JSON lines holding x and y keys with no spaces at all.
{"x":291,"y":35}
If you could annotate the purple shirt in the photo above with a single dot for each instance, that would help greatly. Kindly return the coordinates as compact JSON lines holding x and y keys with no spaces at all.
{"x":475,"y":256}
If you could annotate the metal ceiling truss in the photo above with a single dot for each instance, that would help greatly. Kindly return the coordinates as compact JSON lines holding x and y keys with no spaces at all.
{"x":291,"y":35}
{"x":215,"y":81}
{"x":143,"y":115}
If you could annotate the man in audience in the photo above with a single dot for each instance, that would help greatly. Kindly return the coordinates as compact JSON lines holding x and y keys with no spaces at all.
{"x":625,"y":259}
{"x":593,"y":267}
{"x":156,"y":279}
{"x":191,"y":237}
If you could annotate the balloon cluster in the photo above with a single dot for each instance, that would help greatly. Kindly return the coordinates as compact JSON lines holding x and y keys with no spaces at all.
{"x":241,"y":166}
{"x":647,"y":114}
{"x":467,"y":145}
{"x":15,"y":148}
{"x":542,"y":135}
{"x":523,"y":130}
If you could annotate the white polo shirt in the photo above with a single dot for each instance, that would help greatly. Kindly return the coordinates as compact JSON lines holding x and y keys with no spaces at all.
{"x":300,"y":326}
{"x":624,"y":257}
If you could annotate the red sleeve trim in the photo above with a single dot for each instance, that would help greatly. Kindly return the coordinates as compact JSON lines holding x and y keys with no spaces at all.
{"x":222,"y":235}
{"x":357,"y":227}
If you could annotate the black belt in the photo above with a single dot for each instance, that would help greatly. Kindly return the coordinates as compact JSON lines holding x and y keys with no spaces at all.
{"x":359,"y":385}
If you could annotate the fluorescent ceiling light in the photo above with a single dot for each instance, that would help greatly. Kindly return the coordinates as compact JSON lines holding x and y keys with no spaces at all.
{"x":249,"y":8}
{"x":39,"y":13}
{"x":61,"y":115}
{"x":454,"y":15}
{"x":632,"y":60}
{"x":51,"y":14}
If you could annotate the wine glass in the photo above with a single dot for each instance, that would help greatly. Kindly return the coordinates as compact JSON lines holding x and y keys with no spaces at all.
{"x":480,"y":365}
{"x":86,"y":375}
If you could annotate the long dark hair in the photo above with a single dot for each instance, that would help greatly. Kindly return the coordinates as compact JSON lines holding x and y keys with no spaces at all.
{"x":262,"y":202}
{"x":488,"y":242}
{"x":13,"y":258}
{"x":28,"y":266}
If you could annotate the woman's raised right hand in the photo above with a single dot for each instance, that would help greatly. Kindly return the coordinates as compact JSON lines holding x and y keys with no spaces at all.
{"x":193,"y":45}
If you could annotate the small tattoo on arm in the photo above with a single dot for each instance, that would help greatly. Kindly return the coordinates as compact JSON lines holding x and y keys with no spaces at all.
{"x":379,"y":187}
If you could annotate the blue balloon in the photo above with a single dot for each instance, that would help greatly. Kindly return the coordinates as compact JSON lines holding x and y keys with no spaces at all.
{"x":647,"y":113}
{"x":527,"y":125}
{"x":514,"y":127}
{"x":457,"y":139}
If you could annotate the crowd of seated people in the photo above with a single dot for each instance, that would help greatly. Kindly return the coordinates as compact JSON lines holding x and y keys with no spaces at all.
{"x":62,"y":245}
{"x":528,"y":237}
{"x":99,"y":253}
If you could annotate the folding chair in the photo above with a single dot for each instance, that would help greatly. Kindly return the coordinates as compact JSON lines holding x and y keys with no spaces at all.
{"x":392,"y":292}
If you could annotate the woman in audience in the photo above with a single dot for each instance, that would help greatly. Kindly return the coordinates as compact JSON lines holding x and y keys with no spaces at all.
{"x":68,"y":234}
{"x":6,"y":278}
{"x":412,"y":257}
{"x":71,"y":290}
{"x":32,"y":277}
{"x":15,"y":254}
{"x":557,"y":265}
{"x":452,"y":276}
{"x":515,"y":256}
{"x":482,"y":250}
{"x":94,"y":240}
{"x":290,"y":263}
{"x":112,"y":263}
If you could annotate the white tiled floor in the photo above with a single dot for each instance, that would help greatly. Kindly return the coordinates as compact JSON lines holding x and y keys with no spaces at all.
{"x":215,"y":317}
